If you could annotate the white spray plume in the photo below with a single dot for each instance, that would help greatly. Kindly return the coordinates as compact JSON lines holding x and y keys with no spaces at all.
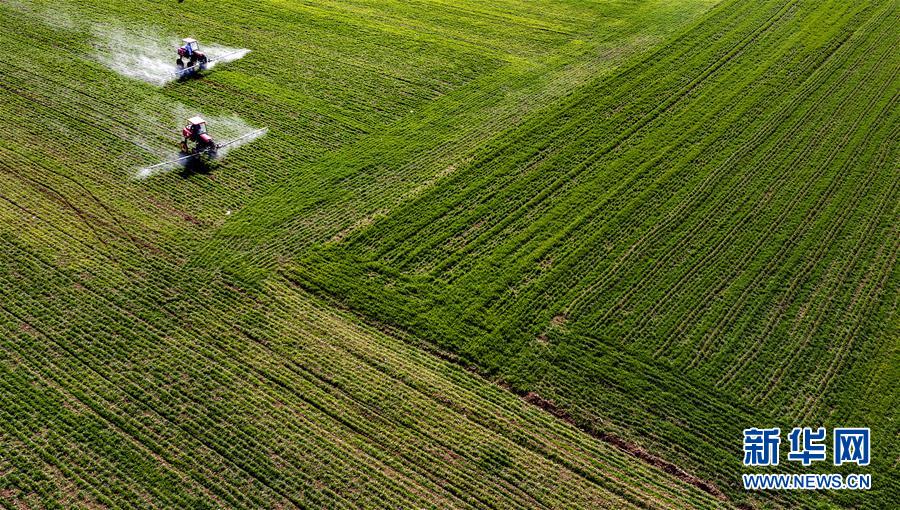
{"x":145,"y":55}
{"x":223,"y":129}
{"x":148,"y":56}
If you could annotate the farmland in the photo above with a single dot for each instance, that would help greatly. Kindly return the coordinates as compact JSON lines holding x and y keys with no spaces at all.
{"x":493,"y":255}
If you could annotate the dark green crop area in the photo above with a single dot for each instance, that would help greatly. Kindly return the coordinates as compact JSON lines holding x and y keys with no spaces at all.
{"x":508,"y":254}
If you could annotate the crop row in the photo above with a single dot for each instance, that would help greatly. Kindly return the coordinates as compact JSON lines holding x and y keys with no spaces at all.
{"x":115,"y":358}
{"x":677,"y":215}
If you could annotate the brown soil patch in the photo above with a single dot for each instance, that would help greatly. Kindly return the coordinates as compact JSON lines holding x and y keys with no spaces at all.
{"x":627,"y":447}
{"x":559,"y":320}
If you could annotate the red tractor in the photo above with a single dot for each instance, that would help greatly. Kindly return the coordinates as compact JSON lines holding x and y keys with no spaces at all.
{"x":196,"y":144}
{"x":196,"y":140}
{"x":190,"y":58}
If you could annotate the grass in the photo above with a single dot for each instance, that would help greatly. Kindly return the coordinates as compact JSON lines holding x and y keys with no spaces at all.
{"x":663,"y":222}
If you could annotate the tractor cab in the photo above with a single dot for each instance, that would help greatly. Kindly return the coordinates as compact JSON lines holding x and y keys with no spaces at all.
{"x":189,"y":47}
{"x":190,"y":59}
{"x":196,"y":126}
{"x":196,"y":139}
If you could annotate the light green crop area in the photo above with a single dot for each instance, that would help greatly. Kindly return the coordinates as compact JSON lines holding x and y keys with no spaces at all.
{"x":661,"y":222}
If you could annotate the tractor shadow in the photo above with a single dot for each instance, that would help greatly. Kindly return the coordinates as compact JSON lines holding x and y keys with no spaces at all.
{"x":196,"y":166}
{"x":189,"y":77}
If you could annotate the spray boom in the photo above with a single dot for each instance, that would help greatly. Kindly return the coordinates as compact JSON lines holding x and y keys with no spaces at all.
{"x":148,"y":170}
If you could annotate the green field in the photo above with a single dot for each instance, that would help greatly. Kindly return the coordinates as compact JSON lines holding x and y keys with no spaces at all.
{"x":509,"y":254}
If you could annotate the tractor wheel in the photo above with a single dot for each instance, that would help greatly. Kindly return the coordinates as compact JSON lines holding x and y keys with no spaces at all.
{"x":179,"y":67}
{"x":203,"y":61}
